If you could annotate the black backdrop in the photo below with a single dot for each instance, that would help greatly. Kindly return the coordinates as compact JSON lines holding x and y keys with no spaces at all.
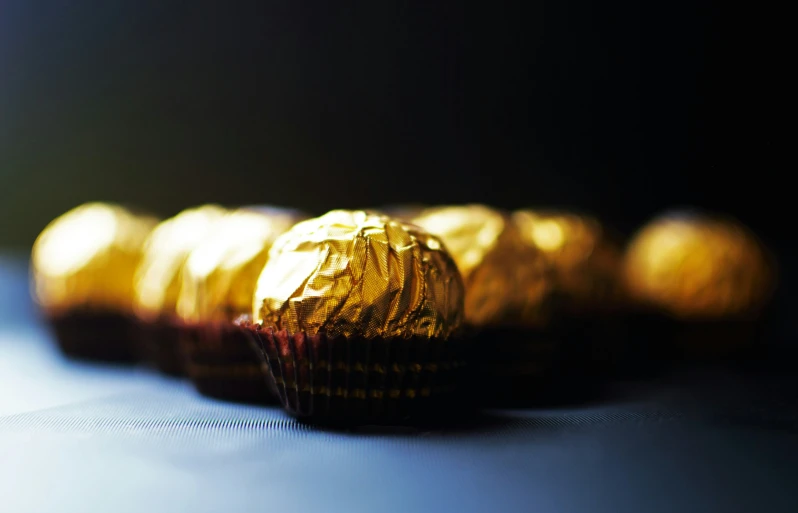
{"x":619,"y":108}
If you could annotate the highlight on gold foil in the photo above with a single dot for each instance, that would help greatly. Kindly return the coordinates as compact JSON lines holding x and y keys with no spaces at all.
{"x":87,"y":258}
{"x":507,"y":280}
{"x":698,"y":266}
{"x":221,"y":273}
{"x":548,"y":235}
{"x":359,"y":273}
{"x":159,"y":277}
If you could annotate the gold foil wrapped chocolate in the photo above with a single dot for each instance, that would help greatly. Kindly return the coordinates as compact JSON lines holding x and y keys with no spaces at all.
{"x":698,"y":267}
{"x":357,"y":273}
{"x":506,"y":279}
{"x":87,"y":258}
{"x":586,"y":263}
{"x":159,"y":277}
{"x":221,"y":273}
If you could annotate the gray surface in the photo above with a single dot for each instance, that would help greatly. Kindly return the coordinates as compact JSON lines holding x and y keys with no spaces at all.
{"x":79,"y":437}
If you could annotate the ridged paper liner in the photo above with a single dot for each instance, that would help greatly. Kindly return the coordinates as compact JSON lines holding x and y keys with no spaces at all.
{"x":158,"y":344}
{"x":656,"y":340}
{"x":223,"y":361}
{"x":566,"y":361}
{"x":351,"y":380}
{"x":95,"y":335}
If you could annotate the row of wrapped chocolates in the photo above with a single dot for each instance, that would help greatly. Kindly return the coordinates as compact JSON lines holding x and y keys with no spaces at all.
{"x":376,"y":315}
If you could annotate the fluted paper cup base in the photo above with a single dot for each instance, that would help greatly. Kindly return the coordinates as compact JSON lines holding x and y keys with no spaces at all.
{"x":95,"y":335}
{"x":657,"y":340}
{"x":352,"y":380}
{"x":223,"y":361}
{"x":158,"y":345}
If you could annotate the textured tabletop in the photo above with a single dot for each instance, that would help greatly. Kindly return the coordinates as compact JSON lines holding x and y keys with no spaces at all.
{"x":81,"y":437}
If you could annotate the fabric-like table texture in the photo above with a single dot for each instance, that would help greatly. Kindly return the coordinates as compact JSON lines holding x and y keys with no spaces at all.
{"x":81,"y":437}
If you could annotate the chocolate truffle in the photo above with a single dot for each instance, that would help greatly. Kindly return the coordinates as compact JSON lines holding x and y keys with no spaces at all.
{"x":698,"y":267}
{"x":507,"y":280}
{"x":357,"y":316}
{"x":586,"y":264}
{"x":219,"y":280}
{"x":159,"y":279}
{"x":586,"y":261}
{"x":83,"y":267}
{"x":508,"y":295}
{"x":704,"y":271}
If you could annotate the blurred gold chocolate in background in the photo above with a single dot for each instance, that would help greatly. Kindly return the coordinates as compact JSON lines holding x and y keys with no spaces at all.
{"x":507,"y":279}
{"x":159,"y":277}
{"x":404,"y":212}
{"x":585,"y":261}
{"x":221,"y":273}
{"x":87,"y":257}
{"x":357,"y":273}
{"x":695,"y":266}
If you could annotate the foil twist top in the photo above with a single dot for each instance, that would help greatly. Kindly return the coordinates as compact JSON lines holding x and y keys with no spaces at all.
{"x":698,"y":267}
{"x":586,"y":263}
{"x":87,"y":257}
{"x":507,"y":280}
{"x":159,"y":276}
{"x":221,"y":273}
{"x":358,"y":273}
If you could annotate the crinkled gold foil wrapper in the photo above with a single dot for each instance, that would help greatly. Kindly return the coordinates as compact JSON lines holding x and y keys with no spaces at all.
{"x":694,"y":266}
{"x":221,"y":273}
{"x":507,"y":280}
{"x":87,"y":257}
{"x":358,"y":273}
{"x":586,"y":263}
{"x":159,"y":276}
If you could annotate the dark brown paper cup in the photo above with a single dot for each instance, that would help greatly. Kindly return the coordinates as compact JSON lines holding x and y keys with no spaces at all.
{"x":158,"y":345}
{"x":352,"y":380}
{"x":658,"y":341}
{"x":223,"y":361}
{"x":95,"y":334}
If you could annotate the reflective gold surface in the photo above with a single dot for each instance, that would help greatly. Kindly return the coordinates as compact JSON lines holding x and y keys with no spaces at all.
{"x":159,"y":277}
{"x":87,"y":258}
{"x":221,"y":273}
{"x":506,"y":279}
{"x":586,"y":263}
{"x":695,"y":266}
{"x":357,"y":273}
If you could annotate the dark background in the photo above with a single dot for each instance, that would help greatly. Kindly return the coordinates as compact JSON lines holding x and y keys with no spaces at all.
{"x":618,"y":108}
